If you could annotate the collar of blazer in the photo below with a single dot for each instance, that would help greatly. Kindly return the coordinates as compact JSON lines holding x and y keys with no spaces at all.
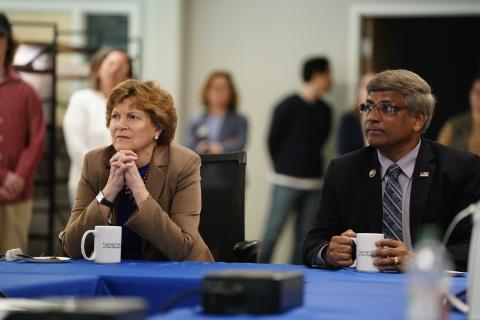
{"x":371,"y":189}
{"x":156,"y":175}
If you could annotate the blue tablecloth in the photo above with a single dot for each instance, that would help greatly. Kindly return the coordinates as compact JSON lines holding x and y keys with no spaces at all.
{"x":37,"y":285}
{"x":342,"y":294}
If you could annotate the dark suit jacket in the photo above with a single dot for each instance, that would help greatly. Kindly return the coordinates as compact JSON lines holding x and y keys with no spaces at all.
{"x":351,"y":199}
{"x":233,"y":135}
{"x":168,"y":222}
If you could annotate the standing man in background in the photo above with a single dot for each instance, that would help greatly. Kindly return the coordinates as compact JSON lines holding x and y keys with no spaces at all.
{"x":300,"y":126}
{"x":22,"y":131}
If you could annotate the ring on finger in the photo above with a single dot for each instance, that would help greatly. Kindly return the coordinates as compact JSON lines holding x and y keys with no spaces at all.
{"x":396,"y":261}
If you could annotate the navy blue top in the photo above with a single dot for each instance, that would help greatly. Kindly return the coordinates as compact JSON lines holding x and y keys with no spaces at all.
{"x":131,"y":242}
{"x":297,"y":135}
{"x":350,"y":135}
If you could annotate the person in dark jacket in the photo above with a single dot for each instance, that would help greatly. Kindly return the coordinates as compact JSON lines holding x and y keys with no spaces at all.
{"x":397,"y":185}
{"x":299,"y":129}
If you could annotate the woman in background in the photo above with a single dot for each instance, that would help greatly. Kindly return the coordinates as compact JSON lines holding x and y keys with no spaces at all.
{"x":220,"y":128}
{"x":84,"y":121}
{"x":350,"y":133}
{"x":463,"y":131}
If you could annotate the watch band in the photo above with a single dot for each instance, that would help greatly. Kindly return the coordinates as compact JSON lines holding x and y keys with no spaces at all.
{"x":102,"y":200}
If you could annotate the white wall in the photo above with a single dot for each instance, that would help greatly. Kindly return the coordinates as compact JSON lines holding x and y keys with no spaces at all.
{"x":163,"y":39}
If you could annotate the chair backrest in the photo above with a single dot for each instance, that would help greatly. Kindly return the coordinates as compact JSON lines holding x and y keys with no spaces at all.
{"x":222,"y":220}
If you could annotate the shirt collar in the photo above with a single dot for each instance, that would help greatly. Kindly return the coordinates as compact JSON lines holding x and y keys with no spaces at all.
{"x":407,"y":163}
{"x":11,"y":75}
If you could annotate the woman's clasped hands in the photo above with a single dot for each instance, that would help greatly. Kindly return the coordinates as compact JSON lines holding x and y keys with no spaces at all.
{"x":124,"y":172}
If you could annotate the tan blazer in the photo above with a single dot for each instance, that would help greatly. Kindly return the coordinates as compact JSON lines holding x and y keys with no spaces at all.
{"x":168,"y":222}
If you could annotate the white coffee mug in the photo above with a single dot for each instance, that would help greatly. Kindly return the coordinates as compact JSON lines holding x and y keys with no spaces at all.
{"x":107,"y":246}
{"x":365,"y":244}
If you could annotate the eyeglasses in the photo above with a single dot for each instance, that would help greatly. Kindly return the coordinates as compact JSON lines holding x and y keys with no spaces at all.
{"x":385,"y":108}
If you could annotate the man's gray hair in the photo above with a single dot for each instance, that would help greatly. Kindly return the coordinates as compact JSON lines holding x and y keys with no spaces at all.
{"x":416,"y":91}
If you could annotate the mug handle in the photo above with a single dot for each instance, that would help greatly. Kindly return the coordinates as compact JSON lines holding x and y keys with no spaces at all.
{"x":83,"y":244}
{"x":354,"y":249}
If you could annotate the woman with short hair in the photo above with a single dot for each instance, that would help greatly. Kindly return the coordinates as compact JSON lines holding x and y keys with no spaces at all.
{"x":142,"y":182}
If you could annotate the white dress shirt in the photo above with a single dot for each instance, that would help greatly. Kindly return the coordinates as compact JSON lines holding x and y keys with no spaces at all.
{"x":84,"y":128}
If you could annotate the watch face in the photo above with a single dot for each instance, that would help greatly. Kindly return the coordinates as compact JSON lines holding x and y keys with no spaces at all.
{"x":102,"y":200}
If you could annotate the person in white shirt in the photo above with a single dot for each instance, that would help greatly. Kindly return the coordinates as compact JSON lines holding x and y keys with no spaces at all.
{"x":84,"y":124}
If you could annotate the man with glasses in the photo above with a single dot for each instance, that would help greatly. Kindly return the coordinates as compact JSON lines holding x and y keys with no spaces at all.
{"x":397,"y":184}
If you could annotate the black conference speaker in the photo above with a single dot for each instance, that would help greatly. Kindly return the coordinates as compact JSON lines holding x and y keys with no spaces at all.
{"x":251,"y":291}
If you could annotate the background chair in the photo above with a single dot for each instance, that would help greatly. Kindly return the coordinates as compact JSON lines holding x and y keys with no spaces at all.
{"x":222,"y":220}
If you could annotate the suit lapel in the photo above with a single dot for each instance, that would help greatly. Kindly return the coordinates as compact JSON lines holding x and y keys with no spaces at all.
{"x":157,"y":171}
{"x":104,"y":173}
{"x":371,"y":182}
{"x":421,"y":183}
{"x":105,"y":169}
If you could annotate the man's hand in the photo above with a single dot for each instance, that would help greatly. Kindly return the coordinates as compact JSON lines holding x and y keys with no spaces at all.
{"x":202,"y":146}
{"x":215,"y":148}
{"x":14,"y":184}
{"x":5,"y":195}
{"x":391,"y":255}
{"x":339,"y":251}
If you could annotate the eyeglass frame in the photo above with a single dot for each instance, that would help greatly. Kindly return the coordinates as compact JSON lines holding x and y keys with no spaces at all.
{"x":385,"y":108}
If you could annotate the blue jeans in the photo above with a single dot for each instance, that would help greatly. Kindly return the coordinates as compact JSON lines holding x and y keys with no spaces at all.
{"x":285,"y":201}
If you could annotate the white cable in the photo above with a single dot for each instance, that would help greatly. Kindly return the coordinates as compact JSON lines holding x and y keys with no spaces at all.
{"x":459,"y":217}
{"x":471,"y":209}
{"x":457,"y":303}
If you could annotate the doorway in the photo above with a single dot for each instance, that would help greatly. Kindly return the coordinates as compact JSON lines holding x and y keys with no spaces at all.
{"x":441,"y":49}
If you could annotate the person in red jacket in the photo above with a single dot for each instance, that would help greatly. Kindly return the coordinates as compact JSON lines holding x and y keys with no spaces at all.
{"x":22,"y":131}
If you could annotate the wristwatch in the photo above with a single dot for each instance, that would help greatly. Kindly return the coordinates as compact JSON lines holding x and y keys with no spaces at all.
{"x":102,"y":200}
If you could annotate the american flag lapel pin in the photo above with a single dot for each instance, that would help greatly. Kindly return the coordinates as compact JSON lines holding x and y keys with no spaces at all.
{"x":424,"y":174}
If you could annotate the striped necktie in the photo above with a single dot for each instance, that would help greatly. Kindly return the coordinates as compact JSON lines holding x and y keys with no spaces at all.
{"x":392,"y":204}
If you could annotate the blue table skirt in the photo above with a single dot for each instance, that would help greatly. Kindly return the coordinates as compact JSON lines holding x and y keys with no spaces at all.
{"x":43,"y":285}
{"x":341,"y":294}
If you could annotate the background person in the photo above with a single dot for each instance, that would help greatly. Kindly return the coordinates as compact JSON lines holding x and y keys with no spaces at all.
{"x":397,"y":184}
{"x":350,"y":133}
{"x":220,"y":128}
{"x":142,"y":182}
{"x":463,"y":131}
{"x":22,"y":132}
{"x":299,"y":129}
{"x":83,"y":123}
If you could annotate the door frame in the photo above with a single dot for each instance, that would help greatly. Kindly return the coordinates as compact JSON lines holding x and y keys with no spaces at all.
{"x":358,"y":11}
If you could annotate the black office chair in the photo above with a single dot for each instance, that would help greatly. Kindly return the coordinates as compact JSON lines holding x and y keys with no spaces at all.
{"x":222,"y":220}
